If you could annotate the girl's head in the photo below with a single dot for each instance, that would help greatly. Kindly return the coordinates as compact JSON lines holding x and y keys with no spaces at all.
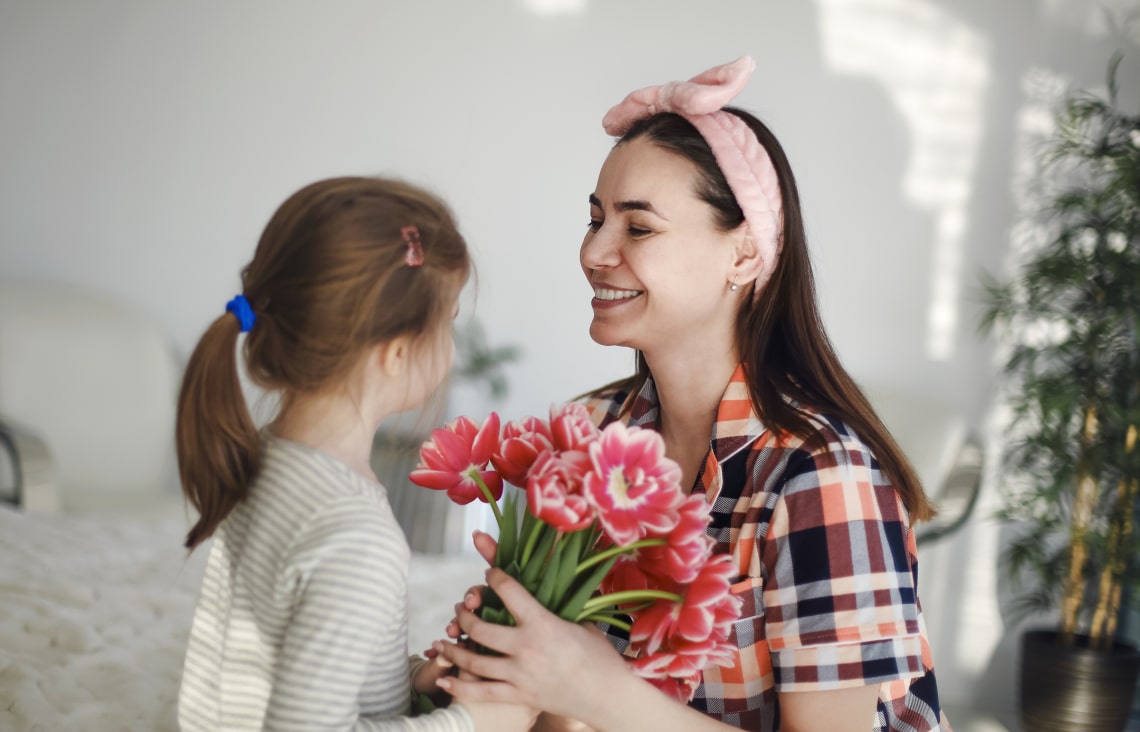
{"x":739,"y":278}
{"x":344,"y":265}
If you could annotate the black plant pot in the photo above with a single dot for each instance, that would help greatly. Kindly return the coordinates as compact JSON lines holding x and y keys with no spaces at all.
{"x":1074,"y":688}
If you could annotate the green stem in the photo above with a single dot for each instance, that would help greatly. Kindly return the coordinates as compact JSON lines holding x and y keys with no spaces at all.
{"x":609,"y":619}
{"x":617,"y":598}
{"x":473,"y":473}
{"x":531,"y":541}
{"x":614,"y":551}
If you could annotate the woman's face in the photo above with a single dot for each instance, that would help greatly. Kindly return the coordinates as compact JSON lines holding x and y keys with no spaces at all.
{"x":659,"y":266}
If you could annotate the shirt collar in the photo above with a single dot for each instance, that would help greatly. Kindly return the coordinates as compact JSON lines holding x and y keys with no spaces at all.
{"x":737,"y":425}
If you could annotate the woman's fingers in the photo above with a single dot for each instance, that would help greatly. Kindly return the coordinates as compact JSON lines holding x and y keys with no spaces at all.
{"x":481,"y":691}
{"x":481,"y":666}
{"x":491,"y":635}
{"x":517,"y":600}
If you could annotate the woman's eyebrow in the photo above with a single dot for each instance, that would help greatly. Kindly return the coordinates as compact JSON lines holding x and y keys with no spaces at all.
{"x":629,"y":206}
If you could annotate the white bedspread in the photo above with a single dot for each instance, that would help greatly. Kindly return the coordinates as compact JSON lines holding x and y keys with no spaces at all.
{"x":94,"y":614}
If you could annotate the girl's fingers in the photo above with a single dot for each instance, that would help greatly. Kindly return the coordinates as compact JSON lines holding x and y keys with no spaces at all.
{"x":472,"y":600}
{"x":437,"y":656}
{"x":474,"y":597}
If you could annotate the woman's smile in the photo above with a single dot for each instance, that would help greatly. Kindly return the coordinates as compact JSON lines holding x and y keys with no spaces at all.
{"x":609,"y":297}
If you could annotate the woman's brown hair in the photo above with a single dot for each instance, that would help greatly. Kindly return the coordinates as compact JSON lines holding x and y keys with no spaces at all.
{"x":329,"y":279}
{"x":780,"y":336}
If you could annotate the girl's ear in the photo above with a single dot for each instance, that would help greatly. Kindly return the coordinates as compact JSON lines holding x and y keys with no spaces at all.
{"x":392,"y":356}
{"x":747,"y":261}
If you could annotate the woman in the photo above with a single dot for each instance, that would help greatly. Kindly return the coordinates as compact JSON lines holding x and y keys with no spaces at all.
{"x":697,"y":256}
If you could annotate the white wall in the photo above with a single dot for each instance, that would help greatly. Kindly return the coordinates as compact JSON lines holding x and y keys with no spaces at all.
{"x":145,"y":145}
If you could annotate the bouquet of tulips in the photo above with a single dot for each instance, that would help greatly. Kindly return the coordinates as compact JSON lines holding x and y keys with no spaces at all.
{"x":608,"y":534}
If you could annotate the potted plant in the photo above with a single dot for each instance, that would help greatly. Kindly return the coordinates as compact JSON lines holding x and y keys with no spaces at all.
{"x":1069,"y":319}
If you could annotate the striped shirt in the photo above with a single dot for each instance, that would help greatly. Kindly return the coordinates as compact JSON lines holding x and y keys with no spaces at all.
{"x":827,"y":568}
{"x":302,"y":618}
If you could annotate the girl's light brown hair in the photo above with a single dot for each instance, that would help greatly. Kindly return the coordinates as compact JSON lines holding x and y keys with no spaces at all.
{"x":328,"y":280}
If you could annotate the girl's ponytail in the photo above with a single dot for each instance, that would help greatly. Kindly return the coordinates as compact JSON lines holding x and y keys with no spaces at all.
{"x":219,"y":449}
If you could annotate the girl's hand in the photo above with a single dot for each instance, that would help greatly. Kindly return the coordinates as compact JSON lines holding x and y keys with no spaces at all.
{"x":426,"y":676}
{"x":547,"y":663}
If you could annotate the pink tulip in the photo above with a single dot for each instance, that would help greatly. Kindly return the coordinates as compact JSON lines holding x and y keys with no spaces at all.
{"x":634,"y":487}
{"x":571,"y":428}
{"x":627,"y":574}
{"x":705,"y":611}
{"x":688,"y":545}
{"x":682,"y":689}
{"x":554,"y":490}
{"x":682,"y":658}
{"x":455,"y":455}
{"x":523,"y":441}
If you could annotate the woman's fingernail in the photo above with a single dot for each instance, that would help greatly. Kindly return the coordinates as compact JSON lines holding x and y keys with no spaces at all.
{"x":444,"y":683}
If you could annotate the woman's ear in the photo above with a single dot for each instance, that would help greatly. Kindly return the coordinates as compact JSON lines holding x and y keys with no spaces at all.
{"x":747,"y":259}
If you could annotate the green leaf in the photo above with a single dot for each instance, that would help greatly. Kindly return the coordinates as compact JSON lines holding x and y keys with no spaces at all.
{"x":508,"y":533}
{"x":537,"y":562}
{"x":497,"y":615}
{"x":568,"y":564}
{"x":549,"y":582}
{"x":583,"y":589}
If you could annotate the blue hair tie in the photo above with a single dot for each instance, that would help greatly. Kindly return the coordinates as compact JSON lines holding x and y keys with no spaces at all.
{"x":239,"y":306}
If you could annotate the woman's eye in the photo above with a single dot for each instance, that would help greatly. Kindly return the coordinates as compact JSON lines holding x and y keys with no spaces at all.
{"x":594,"y":225}
{"x":638,"y":231}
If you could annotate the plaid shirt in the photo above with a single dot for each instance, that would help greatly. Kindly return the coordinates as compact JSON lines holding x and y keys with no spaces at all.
{"x":827,"y":569}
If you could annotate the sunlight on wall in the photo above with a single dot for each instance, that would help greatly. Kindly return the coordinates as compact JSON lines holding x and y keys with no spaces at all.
{"x":1105,"y":18}
{"x":555,"y":7}
{"x":935,"y":70}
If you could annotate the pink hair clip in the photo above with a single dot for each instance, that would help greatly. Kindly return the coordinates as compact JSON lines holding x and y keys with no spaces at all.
{"x":415,"y":254}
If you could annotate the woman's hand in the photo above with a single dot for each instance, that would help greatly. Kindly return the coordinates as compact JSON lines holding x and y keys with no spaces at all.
{"x":486,"y":545}
{"x":494,"y":716}
{"x":579,"y":667}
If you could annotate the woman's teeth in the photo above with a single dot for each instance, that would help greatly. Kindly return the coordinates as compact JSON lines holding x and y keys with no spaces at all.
{"x":604,"y":294}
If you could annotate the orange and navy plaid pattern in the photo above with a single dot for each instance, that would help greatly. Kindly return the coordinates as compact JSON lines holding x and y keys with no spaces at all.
{"x":827,"y":564}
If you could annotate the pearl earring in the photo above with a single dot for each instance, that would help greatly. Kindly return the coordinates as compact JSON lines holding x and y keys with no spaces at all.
{"x":733,"y":287}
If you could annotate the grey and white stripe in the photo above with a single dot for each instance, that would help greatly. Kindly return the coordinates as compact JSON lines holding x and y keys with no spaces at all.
{"x":302,"y":620}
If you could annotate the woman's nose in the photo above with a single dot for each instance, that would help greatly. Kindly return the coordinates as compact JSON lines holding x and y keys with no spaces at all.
{"x":599,"y":249}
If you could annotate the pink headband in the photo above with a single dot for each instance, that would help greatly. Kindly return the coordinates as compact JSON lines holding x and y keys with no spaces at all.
{"x":743,"y":160}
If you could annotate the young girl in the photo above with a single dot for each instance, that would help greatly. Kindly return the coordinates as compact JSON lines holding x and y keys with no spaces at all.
{"x":697,"y":259}
{"x":302,"y":619}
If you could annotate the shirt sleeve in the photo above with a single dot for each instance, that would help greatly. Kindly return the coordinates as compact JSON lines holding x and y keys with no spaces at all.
{"x":840,"y":602}
{"x":347,"y":576}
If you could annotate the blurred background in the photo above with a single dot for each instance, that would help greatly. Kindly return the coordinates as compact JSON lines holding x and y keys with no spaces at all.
{"x":147,"y":143}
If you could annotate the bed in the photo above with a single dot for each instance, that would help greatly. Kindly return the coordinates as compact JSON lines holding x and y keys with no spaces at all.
{"x":95,"y":611}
